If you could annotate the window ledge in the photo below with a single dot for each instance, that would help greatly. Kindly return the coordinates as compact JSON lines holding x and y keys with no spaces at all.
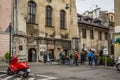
{"x":49,"y":26}
{"x":63,"y":28}
{"x":92,"y":38}
{"x":32,"y":23}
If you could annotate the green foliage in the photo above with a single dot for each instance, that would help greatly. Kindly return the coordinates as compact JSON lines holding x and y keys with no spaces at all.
{"x":108,"y":60}
{"x":7,"y":56}
{"x":102,"y":60}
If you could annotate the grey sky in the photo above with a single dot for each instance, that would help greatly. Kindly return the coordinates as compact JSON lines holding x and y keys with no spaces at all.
{"x":83,"y":5}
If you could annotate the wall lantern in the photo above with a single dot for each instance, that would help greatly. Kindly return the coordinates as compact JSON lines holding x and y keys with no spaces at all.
{"x":67,"y":6}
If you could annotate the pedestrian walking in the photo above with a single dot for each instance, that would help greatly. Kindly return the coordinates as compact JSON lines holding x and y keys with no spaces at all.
{"x":71,"y":57}
{"x":76,"y":57}
{"x":82,"y":56}
{"x":90,"y":57}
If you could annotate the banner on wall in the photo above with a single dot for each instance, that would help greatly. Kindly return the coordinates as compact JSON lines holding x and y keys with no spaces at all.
{"x":43,"y":49}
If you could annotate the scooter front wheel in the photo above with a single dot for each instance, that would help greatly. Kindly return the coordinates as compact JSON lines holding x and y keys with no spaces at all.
{"x":25,"y":73}
{"x":118,"y":67}
{"x":9,"y":72}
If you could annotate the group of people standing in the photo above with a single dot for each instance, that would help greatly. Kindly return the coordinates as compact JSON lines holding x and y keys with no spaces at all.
{"x":74,"y":57}
{"x":83,"y":57}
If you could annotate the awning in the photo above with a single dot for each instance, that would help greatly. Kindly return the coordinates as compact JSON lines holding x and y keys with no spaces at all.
{"x":117,"y":40}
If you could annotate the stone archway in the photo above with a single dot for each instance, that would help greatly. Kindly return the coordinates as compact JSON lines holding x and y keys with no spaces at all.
{"x":32,"y":55}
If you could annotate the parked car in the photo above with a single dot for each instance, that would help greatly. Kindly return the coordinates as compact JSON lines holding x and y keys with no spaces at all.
{"x":118,"y":65}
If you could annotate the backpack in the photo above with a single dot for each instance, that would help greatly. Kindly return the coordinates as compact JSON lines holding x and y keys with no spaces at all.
{"x":90,"y":55}
{"x":60,"y":54}
{"x":71,"y":55}
{"x":75,"y":55}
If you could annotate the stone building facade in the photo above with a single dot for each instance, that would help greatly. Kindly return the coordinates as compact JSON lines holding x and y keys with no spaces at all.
{"x":117,"y":27}
{"x":107,"y":19}
{"x":44,"y":26}
{"x":93,"y":35}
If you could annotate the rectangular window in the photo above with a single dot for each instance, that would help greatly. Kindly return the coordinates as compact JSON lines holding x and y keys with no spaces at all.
{"x":91,"y":34}
{"x":100,"y":35}
{"x":83,"y":33}
{"x":20,"y":47}
{"x":49,"y":16}
{"x":31,"y":12}
{"x":106,"y":36}
{"x":62,"y":19}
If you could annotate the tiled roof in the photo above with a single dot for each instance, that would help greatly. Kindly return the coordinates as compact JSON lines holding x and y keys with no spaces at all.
{"x":92,"y":24}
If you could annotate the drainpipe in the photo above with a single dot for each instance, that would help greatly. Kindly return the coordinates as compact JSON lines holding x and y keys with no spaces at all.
{"x":16,"y":16}
{"x":11,"y":29}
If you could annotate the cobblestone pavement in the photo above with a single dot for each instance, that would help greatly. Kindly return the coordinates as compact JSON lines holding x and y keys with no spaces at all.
{"x":4,"y":76}
{"x":66,"y":72}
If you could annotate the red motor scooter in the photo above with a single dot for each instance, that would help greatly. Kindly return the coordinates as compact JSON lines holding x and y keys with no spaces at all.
{"x":16,"y":67}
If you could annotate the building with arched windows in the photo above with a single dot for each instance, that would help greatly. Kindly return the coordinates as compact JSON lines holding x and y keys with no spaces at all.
{"x":44,"y":26}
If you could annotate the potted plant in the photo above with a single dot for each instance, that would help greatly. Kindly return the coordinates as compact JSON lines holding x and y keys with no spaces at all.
{"x":7,"y":57}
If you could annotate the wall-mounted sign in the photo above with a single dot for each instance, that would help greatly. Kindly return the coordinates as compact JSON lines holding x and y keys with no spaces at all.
{"x":105,"y":51}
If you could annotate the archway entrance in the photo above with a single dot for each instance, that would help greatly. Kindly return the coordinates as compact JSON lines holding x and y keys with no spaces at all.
{"x":32,"y":55}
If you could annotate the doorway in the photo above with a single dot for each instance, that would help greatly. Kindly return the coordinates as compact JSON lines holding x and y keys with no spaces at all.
{"x":32,"y":55}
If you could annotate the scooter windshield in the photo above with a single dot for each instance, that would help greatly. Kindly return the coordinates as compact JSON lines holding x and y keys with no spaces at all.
{"x":14,"y":59}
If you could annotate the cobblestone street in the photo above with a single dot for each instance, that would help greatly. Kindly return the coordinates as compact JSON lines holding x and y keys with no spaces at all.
{"x":47,"y":71}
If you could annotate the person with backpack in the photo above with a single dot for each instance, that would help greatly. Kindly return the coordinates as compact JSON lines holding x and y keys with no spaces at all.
{"x":71,"y":57}
{"x":90,"y":57}
{"x":76,"y":57}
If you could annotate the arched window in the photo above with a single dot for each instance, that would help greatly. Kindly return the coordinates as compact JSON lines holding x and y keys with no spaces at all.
{"x":31,"y":12}
{"x":111,"y":18}
{"x":62,"y":19}
{"x":49,"y":16}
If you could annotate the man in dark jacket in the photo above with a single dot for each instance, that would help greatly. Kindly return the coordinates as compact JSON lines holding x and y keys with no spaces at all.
{"x":82,"y":55}
{"x":45,"y":57}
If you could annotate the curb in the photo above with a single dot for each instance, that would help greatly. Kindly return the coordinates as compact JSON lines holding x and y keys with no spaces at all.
{"x":104,"y":67}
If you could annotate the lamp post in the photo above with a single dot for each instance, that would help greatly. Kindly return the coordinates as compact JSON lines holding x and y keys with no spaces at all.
{"x":10,"y":43}
{"x":11,"y":27}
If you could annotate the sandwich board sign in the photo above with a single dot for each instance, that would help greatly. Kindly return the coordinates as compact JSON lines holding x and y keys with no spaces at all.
{"x":105,"y":51}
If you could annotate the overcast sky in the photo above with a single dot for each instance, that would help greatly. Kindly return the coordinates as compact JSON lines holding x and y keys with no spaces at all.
{"x":83,"y":5}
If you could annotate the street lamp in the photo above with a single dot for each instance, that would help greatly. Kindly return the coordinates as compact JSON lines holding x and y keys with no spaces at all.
{"x":10,"y":42}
